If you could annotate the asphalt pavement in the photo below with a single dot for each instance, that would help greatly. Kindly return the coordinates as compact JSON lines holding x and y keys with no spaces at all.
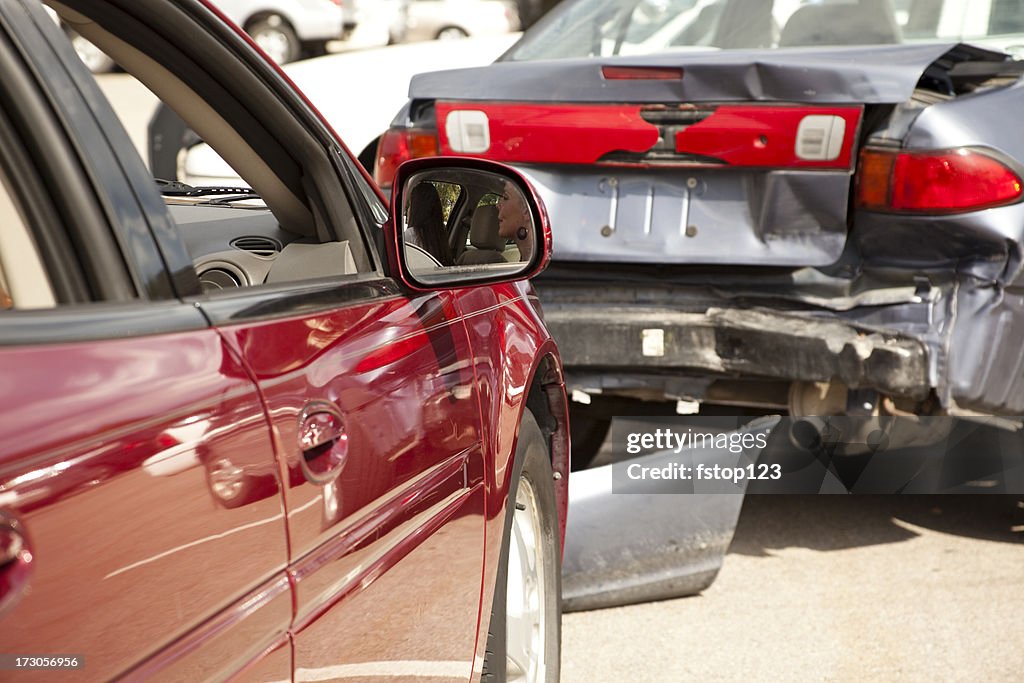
{"x":832,"y":588}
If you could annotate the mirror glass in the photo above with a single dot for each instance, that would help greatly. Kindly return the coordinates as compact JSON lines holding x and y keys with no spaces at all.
{"x":465,"y":224}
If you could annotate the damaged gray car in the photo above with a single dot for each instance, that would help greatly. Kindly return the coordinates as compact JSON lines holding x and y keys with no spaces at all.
{"x":763,"y":206}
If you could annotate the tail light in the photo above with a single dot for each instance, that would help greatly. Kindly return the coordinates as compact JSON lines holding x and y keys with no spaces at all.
{"x":934,"y":182}
{"x":641,"y":73}
{"x":399,"y":145}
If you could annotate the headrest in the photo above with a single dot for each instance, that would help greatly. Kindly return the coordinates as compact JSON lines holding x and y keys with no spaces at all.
{"x":839,"y":25}
{"x":483,"y":231}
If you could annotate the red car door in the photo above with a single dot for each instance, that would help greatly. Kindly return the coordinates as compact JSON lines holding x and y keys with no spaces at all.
{"x":129,"y":428}
{"x":372,"y":400}
{"x":107,"y":450}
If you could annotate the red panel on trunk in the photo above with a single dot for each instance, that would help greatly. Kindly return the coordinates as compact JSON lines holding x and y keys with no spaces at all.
{"x":745,"y":135}
{"x":557,"y":134}
{"x":764,"y":136}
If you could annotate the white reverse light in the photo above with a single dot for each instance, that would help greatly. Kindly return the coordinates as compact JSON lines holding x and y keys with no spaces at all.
{"x":468,"y":131}
{"x":820,"y":138}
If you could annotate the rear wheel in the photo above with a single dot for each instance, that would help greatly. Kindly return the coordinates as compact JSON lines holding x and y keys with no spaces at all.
{"x":231,"y":486}
{"x":524,"y":640}
{"x":275,"y":37}
{"x":451,"y":33}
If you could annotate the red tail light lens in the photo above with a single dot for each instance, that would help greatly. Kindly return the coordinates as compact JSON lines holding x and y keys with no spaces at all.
{"x":943,"y":181}
{"x":398,"y":145}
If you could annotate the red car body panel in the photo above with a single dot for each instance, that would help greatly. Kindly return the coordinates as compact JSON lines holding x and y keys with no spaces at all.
{"x":112,"y":501}
{"x":177,"y":526}
{"x":757,"y":136}
{"x":574,"y":134}
{"x":407,"y":507}
{"x":765,"y":136}
{"x":510,"y":347}
{"x":503,"y":324}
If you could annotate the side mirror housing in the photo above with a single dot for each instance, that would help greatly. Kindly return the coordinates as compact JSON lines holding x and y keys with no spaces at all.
{"x":458,"y":222}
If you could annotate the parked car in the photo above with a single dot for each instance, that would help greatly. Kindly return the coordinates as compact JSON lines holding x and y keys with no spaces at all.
{"x":290,"y":29}
{"x":285,"y":29}
{"x":261,"y":433}
{"x":767,"y":205}
{"x":381,"y":76}
{"x":448,"y":19}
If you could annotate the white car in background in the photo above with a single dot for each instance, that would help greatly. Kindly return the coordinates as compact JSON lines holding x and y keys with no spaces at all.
{"x":288,"y":29}
{"x":378,"y":23}
{"x":446,"y":19}
{"x":381,"y":74}
{"x":285,"y":29}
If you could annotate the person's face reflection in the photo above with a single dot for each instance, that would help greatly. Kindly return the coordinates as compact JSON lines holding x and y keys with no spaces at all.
{"x":512,"y":212}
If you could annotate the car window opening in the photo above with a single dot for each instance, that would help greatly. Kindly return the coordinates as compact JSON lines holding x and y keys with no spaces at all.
{"x":266,"y":227}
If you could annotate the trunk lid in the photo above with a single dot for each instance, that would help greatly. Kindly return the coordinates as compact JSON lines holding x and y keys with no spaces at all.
{"x":739,"y":157}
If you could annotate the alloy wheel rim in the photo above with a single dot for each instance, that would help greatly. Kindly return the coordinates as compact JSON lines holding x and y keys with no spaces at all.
{"x":274,"y":43}
{"x":525,"y":603}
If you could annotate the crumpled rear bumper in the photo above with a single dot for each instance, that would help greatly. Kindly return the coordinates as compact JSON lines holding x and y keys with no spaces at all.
{"x":734,"y":342}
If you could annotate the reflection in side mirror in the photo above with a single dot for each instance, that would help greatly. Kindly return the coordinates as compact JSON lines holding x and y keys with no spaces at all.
{"x":461,"y":225}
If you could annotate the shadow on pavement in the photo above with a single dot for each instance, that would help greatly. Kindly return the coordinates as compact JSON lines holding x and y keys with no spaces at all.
{"x":825,"y":523}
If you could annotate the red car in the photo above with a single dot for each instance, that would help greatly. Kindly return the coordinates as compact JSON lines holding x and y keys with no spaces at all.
{"x":274,"y":432}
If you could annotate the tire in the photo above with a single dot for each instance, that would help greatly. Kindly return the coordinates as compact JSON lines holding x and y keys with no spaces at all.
{"x":276,"y":37}
{"x":524,"y":637}
{"x":231,"y":487}
{"x":451,"y":33}
{"x":587,"y":434}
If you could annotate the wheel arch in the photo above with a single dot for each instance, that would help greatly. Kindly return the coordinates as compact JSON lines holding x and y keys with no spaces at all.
{"x":368,"y":156}
{"x":542,"y":392}
{"x":262,"y":15}
{"x":547,"y":400}
{"x":444,"y":28}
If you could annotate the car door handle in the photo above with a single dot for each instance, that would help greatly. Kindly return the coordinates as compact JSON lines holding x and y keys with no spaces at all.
{"x":323,"y":441}
{"x":16,"y":561}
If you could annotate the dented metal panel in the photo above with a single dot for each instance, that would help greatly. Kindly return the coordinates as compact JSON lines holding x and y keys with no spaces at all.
{"x":858,"y":75}
{"x":623,"y":548}
{"x":986,"y":354}
{"x":752,"y":342}
{"x":779,"y":218}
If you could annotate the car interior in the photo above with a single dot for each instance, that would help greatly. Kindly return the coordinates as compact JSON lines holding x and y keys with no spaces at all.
{"x":848,"y":24}
{"x":469,"y":242}
{"x":296,"y":223}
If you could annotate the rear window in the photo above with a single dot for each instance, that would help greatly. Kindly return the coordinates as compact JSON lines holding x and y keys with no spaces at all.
{"x":603,"y":28}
